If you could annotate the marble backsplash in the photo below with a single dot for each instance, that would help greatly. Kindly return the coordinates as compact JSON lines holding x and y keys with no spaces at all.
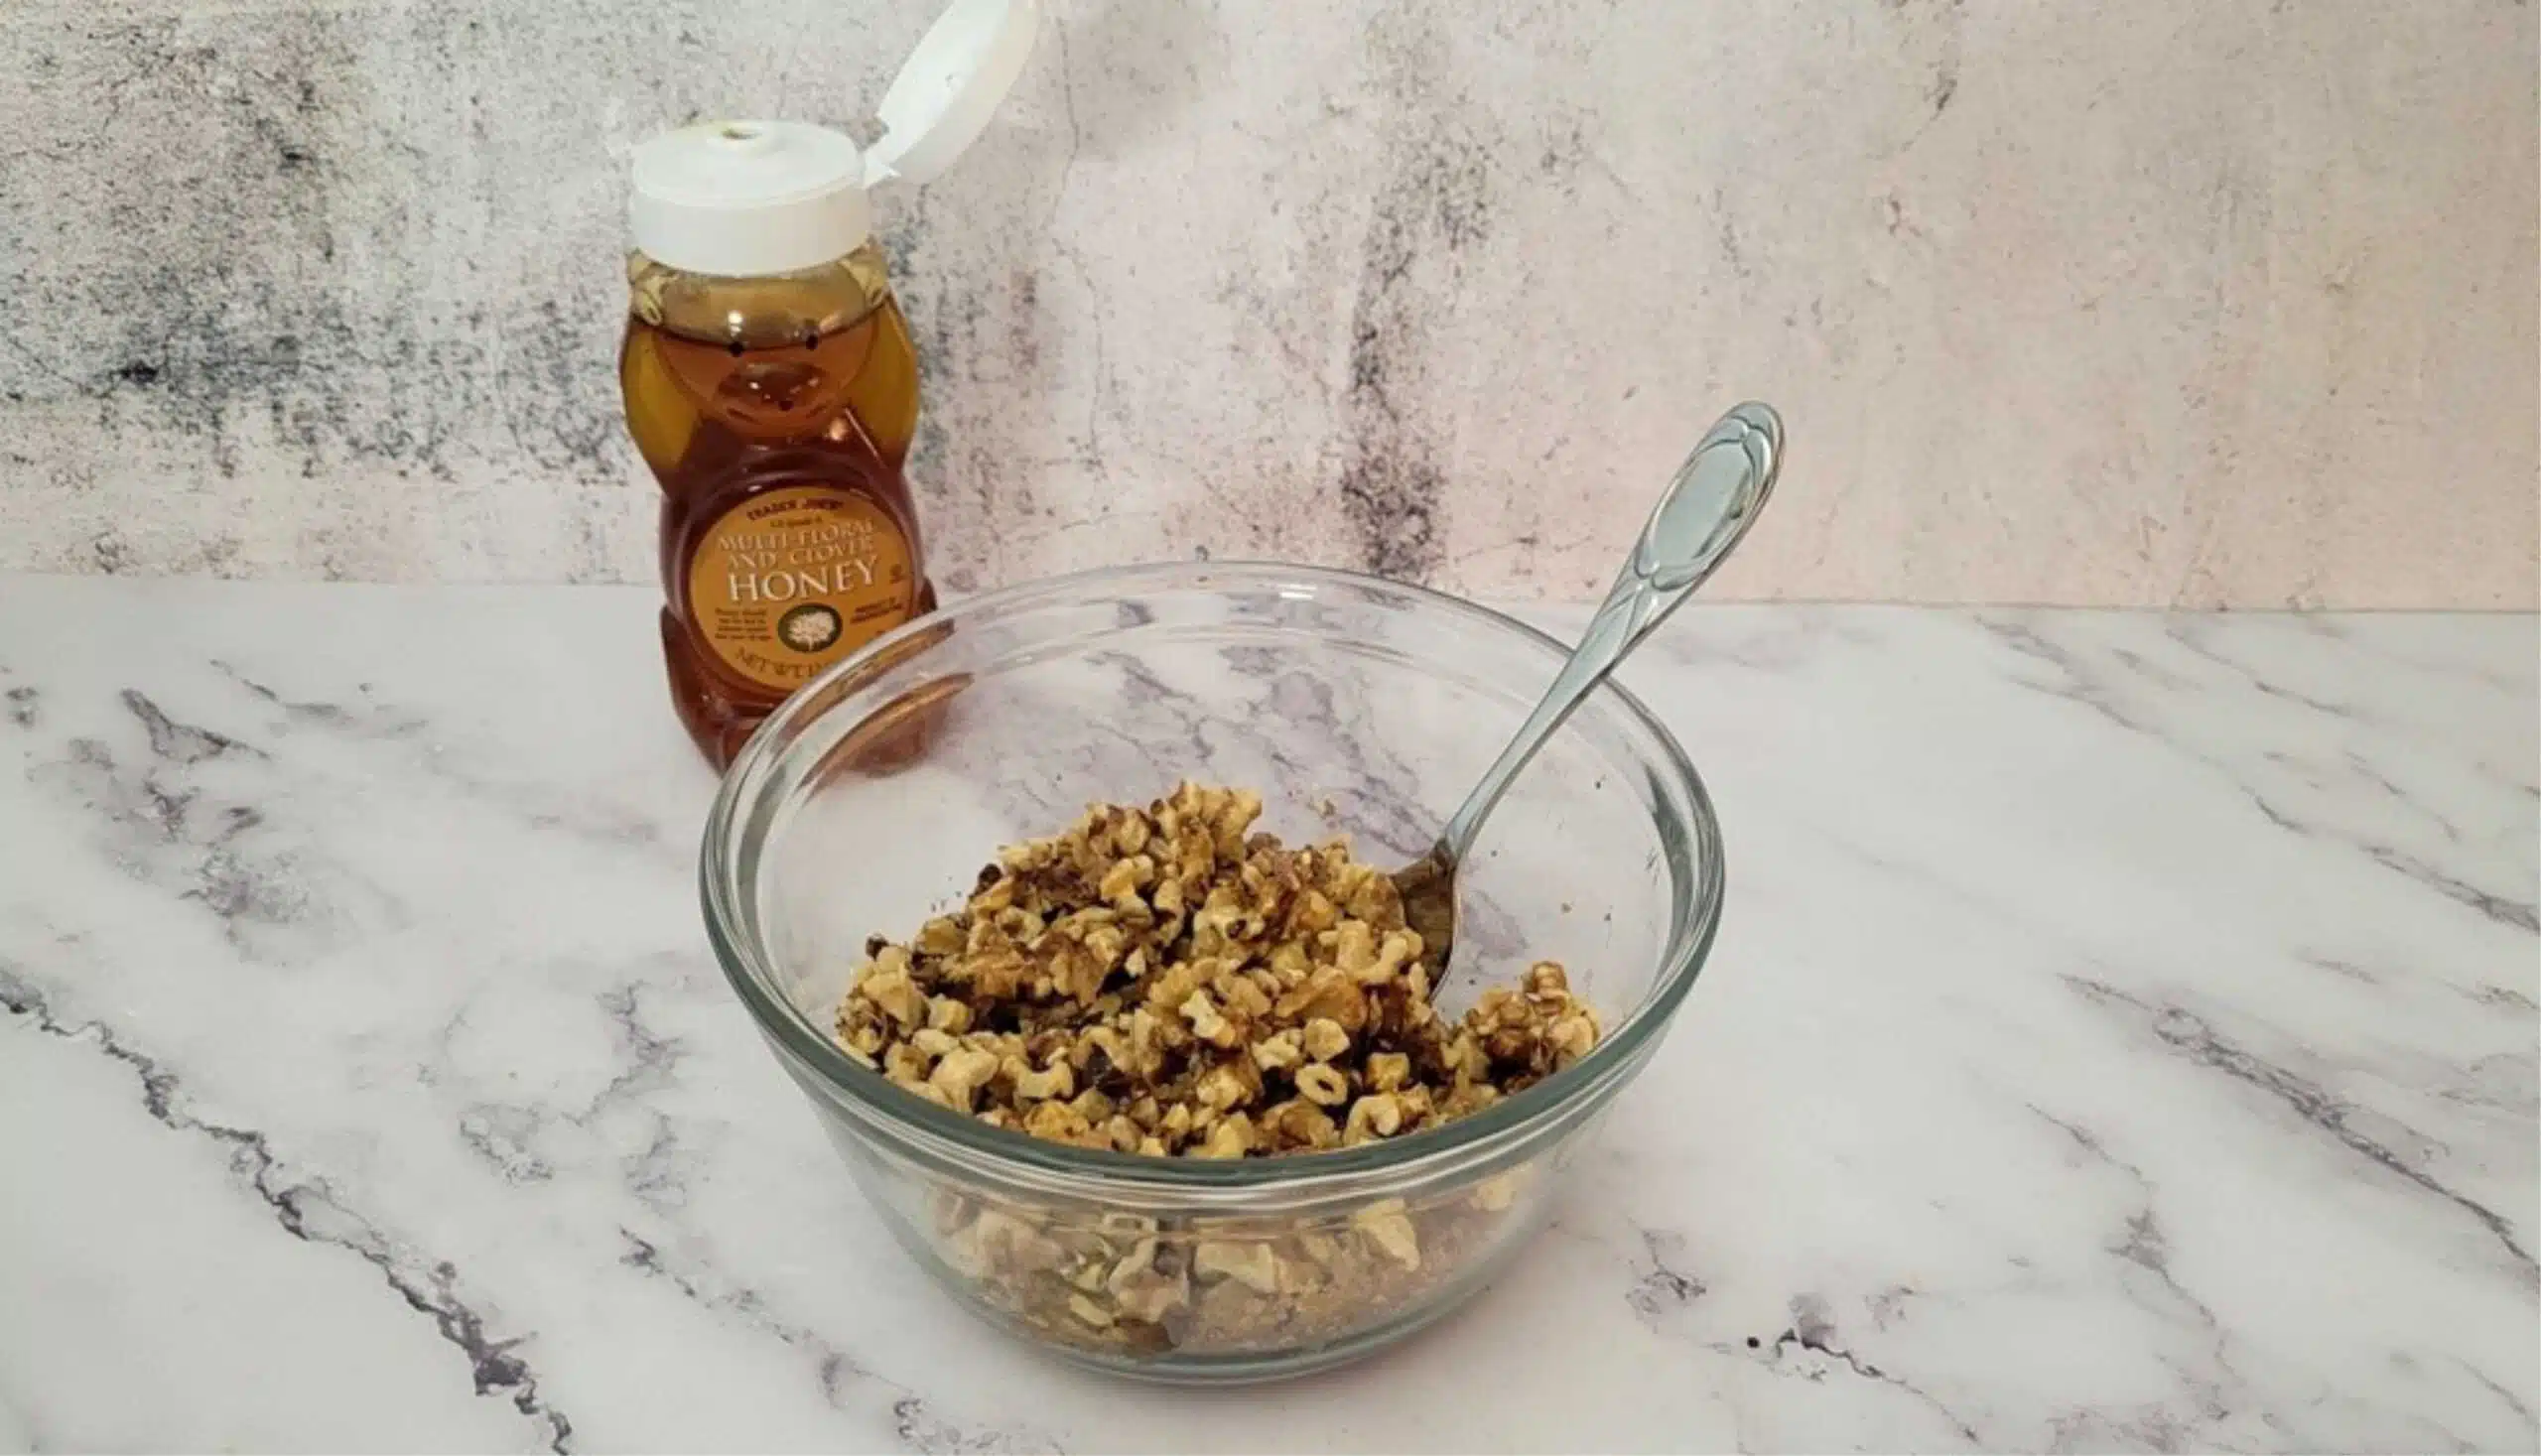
{"x":2163,"y":302}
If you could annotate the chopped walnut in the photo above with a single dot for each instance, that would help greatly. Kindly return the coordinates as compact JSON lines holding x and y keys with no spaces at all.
{"x":1377,"y":1115}
{"x":1322,"y":1085}
{"x":1250,"y":1263}
{"x":1165,"y":981}
{"x":1389,"y":1229}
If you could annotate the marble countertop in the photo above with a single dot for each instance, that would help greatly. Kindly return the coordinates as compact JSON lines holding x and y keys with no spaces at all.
{"x":2122,"y":1035}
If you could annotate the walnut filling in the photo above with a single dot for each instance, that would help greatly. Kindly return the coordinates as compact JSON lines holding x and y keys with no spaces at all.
{"x":1155,"y":981}
{"x":1161,"y":981}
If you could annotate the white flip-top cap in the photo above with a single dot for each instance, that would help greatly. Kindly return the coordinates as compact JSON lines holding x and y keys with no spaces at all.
{"x":747,"y":198}
{"x":954,"y":80}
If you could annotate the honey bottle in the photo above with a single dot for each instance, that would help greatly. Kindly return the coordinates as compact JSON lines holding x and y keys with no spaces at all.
{"x":771,"y":382}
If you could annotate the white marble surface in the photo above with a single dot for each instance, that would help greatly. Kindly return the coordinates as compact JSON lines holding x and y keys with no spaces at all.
{"x":2122,"y":1036}
{"x":2161,"y":302}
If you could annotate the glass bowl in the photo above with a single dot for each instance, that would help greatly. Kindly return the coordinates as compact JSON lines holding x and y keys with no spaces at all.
{"x":871,"y":799}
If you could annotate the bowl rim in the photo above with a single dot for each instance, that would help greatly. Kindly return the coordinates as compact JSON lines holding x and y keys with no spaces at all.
{"x":1695,"y":924}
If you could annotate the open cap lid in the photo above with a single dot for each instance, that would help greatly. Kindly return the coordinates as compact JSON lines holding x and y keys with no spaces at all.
{"x":748,"y":199}
{"x":953,"y":83}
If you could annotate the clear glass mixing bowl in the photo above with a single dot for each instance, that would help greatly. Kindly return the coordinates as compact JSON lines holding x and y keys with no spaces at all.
{"x":871,"y":799}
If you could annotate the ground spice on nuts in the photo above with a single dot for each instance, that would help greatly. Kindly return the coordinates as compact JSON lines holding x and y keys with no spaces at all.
{"x":1162,"y":981}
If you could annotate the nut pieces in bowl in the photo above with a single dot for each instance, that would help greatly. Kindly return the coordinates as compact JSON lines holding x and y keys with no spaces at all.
{"x":1162,"y":981}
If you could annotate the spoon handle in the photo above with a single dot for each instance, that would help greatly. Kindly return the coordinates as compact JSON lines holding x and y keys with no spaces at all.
{"x":1707,"y":507}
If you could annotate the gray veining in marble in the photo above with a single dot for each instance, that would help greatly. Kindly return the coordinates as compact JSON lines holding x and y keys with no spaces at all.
{"x":2121,"y":1036}
{"x":2162,"y":302}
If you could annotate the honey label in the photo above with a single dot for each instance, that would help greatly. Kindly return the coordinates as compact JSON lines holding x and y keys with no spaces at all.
{"x":788,"y":583}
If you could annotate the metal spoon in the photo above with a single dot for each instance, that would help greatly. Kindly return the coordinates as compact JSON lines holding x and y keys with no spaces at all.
{"x":1708,"y":506}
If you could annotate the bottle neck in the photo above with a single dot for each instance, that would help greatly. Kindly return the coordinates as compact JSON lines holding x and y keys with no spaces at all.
{"x":759,"y":313}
